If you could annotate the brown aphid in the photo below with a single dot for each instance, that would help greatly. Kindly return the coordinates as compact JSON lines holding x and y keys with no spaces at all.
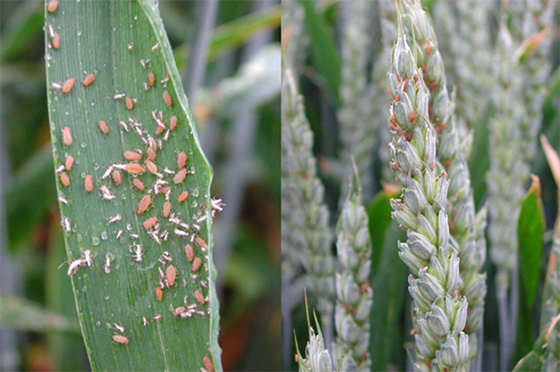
{"x":181,"y":160}
{"x":179,"y":311}
{"x":189,"y":252}
{"x":66,"y":136}
{"x":159,"y":294}
{"x":120,"y":339}
{"x":201,"y":242}
{"x":184,"y":195}
{"x":129,"y":103}
{"x":199,"y":297}
{"x":144,"y":203}
{"x":173,"y":122}
{"x":180,"y":176}
{"x":69,"y":162}
{"x":132,"y":155}
{"x":167,"y":98}
{"x":103,"y":127}
{"x":52,"y":6}
{"x":55,"y":40}
{"x":88,"y":80}
{"x":159,"y":130}
{"x":208,"y":363}
{"x":151,"y":153}
{"x":117,"y":176}
{"x":166,"y":209}
{"x":163,"y":190}
{"x":196,"y":264}
{"x":171,"y":275}
{"x":88,"y":184}
{"x":64,"y":179}
{"x":67,"y":86}
{"x":150,"y":222}
{"x":138,"y":184}
{"x":151,"y":79}
{"x":151,"y":166}
{"x":133,"y":168}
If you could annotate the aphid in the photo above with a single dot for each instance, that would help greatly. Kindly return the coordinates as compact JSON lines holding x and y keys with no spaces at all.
{"x":66,"y":136}
{"x":138,"y":253}
{"x":145,"y":321}
{"x":88,"y":80}
{"x":151,"y":79}
{"x":171,"y":274}
{"x":151,"y":153}
{"x":179,"y":232}
{"x":74,"y":266}
{"x":62,"y":200}
{"x":119,"y":234}
{"x":132,"y":155}
{"x":144,"y":203}
{"x":87,"y":257}
{"x":183,"y":196}
{"x":208,"y":363}
{"x":166,"y":209}
{"x":201,"y":242}
{"x":151,"y":166}
{"x":66,"y":224}
{"x":106,"y":194}
{"x":155,"y":48}
{"x":69,"y":162}
{"x":64,"y":179}
{"x":179,"y":311}
{"x":103,"y":127}
{"x":117,"y":176}
{"x":67,"y":86}
{"x":167,"y":256}
{"x":134,"y":168}
{"x":107,"y":266}
{"x":180,"y":176}
{"x":189,"y":252}
{"x":149,"y":223}
{"x":199,"y":297}
{"x":59,"y":169}
{"x":119,"y":327}
{"x":160,"y":129}
{"x":172,"y":122}
{"x":167,"y":98}
{"x":120,"y":339}
{"x":159,"y":294}
{"x":163,"y":190}
{"x":55,"y":40}
{"x":196,"y":264}
{"x":181,"y":160}
{"x":129,"y":104}
{"x":138,"y":184}
{"x":52,"y":6}
{"x":88,"y":184}
{"x":168,"y":171}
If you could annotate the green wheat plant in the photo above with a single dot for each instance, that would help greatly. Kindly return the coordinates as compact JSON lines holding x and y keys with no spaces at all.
{"x":439,"y":104}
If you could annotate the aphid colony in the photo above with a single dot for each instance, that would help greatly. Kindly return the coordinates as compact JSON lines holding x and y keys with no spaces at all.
{"x":159,"y":226}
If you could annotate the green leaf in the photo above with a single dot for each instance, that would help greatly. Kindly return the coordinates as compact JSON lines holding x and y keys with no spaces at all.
{"x":67,"y":350}
{"x":35,"y":178}
{"x":323,"y":49}
{"x":111,"y":39}
{"x":530,"y":231}
{"x":379,"y":217}
{"x":22,"y":314}
{"x":27,"y":21}
{"x":533,"y":360}
{"x":389,"y":289}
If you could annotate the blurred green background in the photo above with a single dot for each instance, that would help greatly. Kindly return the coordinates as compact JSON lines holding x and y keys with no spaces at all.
{"x":229,"y":55}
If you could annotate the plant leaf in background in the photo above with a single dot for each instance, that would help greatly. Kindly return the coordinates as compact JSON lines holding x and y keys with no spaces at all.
{"x":530,"y":231}
{"x":388,"y":294}
{"x":323,"y":49}
{"x":123,"y":241}
{"x":23,"y":314}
